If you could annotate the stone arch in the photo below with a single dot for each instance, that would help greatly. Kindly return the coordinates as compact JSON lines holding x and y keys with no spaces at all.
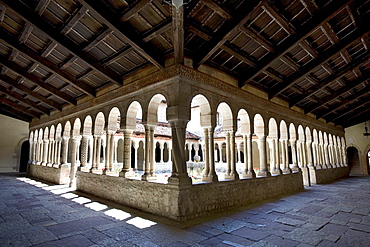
{"x":153,"y":107}
{"x":67,"y":129}
{"x":205,"y":109}
{"x":244,"y":124}
{"x":134,"y":113}
{"x":46,"y":134}
{"x":114,"y":119}
{"x":76,"y":127}
{"x":259,"y":125}
{"x":58,"y":132}
{"x":52,"y":133}
{"x":226,"y":116}
{"x":99,"y":124}
{"x":87,"y":126}
{"x":272,"y":142}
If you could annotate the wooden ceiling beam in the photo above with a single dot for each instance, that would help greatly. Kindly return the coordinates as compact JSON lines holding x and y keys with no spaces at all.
{"x":134,"y":9}
{"x":345,"y":70}
{"x":33,"y":56}
{"x":2,"y":14}
{"x":73,"y":20}
{"x":361,"y":104}
{"x":158,"y":30}
{"x":28,"y":15}
{"x":217,"y":8}
{"x":97,"y":40}
{"x":27,"y":30}
{"x":13,"y":113}
{"x":178,"y":34}
{"x":28,"y":91}
{"x":238,"y":55}
{"x":24,"y":99}
{"x":288,"y":61}
{"x":21,"y":108}
{"x":124,"y":31}
{"x":53,"y":90}
{"x":347,"y":41}
{"x":283,"y":23}
{"x":115,"y":57}
{"x":338,"y":93}
{"x":328,"y":31}
{"x":258,"y":38}
{"x":302,"y":33}
{"x":41,"y":6}
{"x":225,"y":32}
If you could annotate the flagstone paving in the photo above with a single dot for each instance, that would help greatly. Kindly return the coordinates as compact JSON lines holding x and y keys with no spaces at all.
{"x":35,"y":213}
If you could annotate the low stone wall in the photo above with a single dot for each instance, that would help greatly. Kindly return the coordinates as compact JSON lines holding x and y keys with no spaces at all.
{"x":58,"y":175}
{"x":187,"y":202}
{"x":322,"y":176}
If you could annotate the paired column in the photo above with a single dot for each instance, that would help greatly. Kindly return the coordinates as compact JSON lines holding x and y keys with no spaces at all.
{"x":74,"y":150}
{"x":248,"y":157}
{"x":96,"y":154}
{"x":149,"y":153}
{"x":294,"y":155}
{"x":231,"y":172}
{"x":126,"y":171}
{"x":209,"y":149}
{"x":109,"y":153}
{"x":263,"y":172}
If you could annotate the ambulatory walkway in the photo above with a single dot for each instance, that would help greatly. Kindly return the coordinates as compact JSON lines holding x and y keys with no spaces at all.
{"x":33,"y":213}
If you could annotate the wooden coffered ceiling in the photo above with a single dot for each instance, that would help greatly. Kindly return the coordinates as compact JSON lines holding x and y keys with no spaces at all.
{"x":314,"y":54}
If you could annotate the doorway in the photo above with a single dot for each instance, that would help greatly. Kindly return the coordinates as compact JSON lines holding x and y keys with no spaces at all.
{"x":25,"y":149}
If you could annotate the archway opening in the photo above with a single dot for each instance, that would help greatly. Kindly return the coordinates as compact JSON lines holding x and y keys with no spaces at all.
{"x":25,"y":149}
{"x":354,"y":161}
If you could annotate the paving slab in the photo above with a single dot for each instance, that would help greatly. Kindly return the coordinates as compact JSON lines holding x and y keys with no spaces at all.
{"x":36,"y":213}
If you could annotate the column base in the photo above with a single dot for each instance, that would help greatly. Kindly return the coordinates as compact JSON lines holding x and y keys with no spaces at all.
{"x":210,"y":178}
{"x":295,"y":169}
{"x":276,"y":171}
{"x":127,"y":174}
{"x":232,"y":175}
{"x":95,"y":170}
{"x":83,"y":169}
{"x":109,"y":173}
{"x":263,"y":174}
{"x":181,"y":179}
{"x":287,"y":171}
{"x":249,"y":174}
{"x":318,"y":167}
{"x":148,"y":177}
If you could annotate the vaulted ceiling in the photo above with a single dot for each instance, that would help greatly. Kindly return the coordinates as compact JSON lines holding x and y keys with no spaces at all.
{"x":314,"y":54}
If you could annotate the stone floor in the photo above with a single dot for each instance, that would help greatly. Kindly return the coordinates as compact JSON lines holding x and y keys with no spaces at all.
{"x":33,"y":213}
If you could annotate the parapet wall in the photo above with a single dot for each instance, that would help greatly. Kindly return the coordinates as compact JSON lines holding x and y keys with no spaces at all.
{"x":58,"y":175}
{"x":187,"y":202}
{"x":323,"y":176}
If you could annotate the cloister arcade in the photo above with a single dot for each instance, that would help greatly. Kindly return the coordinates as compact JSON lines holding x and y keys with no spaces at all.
{"x":224,"y":142}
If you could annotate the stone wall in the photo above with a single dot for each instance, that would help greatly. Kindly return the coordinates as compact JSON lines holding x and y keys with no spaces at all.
{"x":322,"y":176}
{"x":51,"y":174}
{"x":184,"y":203}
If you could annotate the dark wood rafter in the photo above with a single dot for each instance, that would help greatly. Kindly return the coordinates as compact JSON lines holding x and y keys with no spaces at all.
{"x":277,"y":17}
{"x":178,"y":34}
{"x":54,"y":35}
{"x":310,"y":6}
{"x":217,"y":8}
{"x":2,"y":14}
{"x":238,"y":55}
{"x":14,"y":113}
{"x":27,"y":30}
{"x":124,"y":31}
{"x":41,"y":6}
{"x":115,"y":57}
{"x":335,"y":107}
{"x":21,"y":108}
{"x":193,"y":28}
{"x":355,"y":110}
{"x":74,"y":19}
{"x":134,"y":10}
{"x":24,"y":99}
{"x":336,"y":76}
{"x":23,"y":72}
{"x":18,"y":85}
{"x":299,"y":37}
{"x":347,"y":41}
{"x":258,"y":38}
{"x":359,"y":117}
{"x":157,"y":30}
{"x":39,"y":59}
{"x":96,"y":41}
{"x":225,"y":32}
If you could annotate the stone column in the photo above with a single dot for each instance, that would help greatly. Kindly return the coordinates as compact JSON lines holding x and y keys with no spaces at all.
{"x":65,"y":141}
{"x":309,"y":154}
{"x":211,"y":147}
{"x":126,"y":170}
{"x":263,"y":172}
{"x":152,"y":152}
{"x":58,"y":153}
{"x":98,"y":154}
{"x":84,"y":153}
{"x":294,"y":155}
{"x":233,"y":174}
{"x":285,"y":157}
{"x":75,"y":144}
{"x":228,"y":163}
{"x":161,"y":147}
{"x":147,"y":148}
{"x":207,"y":155}
{"x":248,"y":157}
{"x":326,"y":156}
{"x":179,"y":170}
{"x":109,"y":153}
{"x":45,"y":153}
